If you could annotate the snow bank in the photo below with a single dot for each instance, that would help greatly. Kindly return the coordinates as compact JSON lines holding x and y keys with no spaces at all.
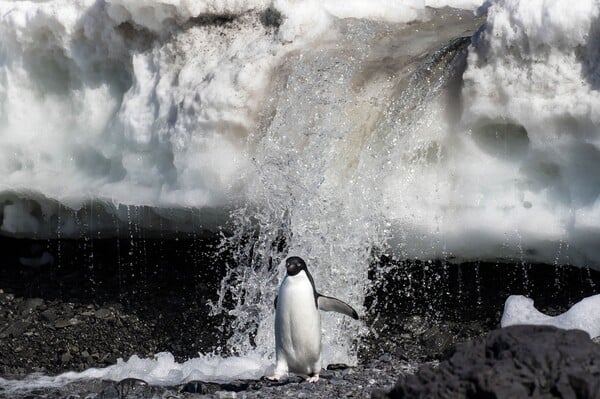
{"x":584,"y":315}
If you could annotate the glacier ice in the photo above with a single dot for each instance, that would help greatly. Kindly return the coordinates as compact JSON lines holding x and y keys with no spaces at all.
{"x":584,"y":315}
{"x":166,"y":104}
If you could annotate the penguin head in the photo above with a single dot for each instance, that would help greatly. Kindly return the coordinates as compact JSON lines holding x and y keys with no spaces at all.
{"x":294,"y":265}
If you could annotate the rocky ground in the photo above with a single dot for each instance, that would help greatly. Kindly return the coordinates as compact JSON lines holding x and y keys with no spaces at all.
{"x":522,"y":361}
{"x":51,"y":336}
{"x":68,"y":317}
{"x":377,"y":376}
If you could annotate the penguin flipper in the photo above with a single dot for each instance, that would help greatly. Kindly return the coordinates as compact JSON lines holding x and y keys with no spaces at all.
{"x":330,"y":304}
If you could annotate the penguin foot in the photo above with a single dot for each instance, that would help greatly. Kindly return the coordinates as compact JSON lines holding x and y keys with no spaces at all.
{"x":313,"y":378}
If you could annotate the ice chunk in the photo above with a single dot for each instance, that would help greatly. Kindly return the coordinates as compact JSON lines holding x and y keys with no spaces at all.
{"x":584,"y":315}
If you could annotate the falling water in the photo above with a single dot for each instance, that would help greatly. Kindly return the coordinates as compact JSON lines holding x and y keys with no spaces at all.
{"x":302,"y":208}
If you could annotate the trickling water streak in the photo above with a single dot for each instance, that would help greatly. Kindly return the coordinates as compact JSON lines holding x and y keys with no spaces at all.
{"x":460,"y":282}
{"x":91,"y":231}
{"x":478,"y":283}
{"x":117,"y":223}
{"x":589,"y":277}
{"x":59,"y":236}
{"x":130,"y":234}
{"x":522,"y":262}
{"x":196,"y":244}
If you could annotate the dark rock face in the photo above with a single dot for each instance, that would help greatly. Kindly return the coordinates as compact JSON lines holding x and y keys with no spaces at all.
{"x":514,"y":362}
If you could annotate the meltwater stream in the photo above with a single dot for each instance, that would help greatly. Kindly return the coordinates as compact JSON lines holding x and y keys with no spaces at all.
{"x":331,"y":132}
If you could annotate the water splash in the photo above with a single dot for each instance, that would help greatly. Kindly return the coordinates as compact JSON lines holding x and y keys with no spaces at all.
{"x":313,"y":192}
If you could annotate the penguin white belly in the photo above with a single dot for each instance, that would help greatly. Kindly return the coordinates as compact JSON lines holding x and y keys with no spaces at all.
{"x":298,"y":327}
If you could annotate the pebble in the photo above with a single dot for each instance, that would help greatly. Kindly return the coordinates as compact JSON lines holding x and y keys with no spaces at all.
{"x":49,"y":315}
{"x":225,"y":395}
{"x":66,"y":357}
{"x":15,"y":329}
{"x":131,"y":387}
{"x":29,"y":305}
{"x":62,"y":323}
{"x":110,"y":392}
{"x":103,"y":313}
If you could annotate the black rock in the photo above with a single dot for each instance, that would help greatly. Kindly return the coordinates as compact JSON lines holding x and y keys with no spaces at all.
{"x":201,"y":387}
{"x":514,"y":362}
{"x":131,"y":387}
{"x":241,"y":385}
{"x":29,"y":305}
{"x":103,"y":313}
{"x":436,"y":341}
{"x":337,"y":366}
{"x":49,"y":315}
{"x":15,"y":329}
{"x":62,"y":323}
{"x":66,"y":357}
{"x":110,"y":392}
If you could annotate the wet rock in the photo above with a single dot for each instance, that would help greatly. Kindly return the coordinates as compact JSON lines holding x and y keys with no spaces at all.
{"x":103,"y":313}
{"x":415,"y":324}
{"x":66,"y":357}
{"x":49,"y":315}
{"x":338,"y":382}
{"x":88,"y":313}
{"x":242,"y":385}
{"x":62,"y":323}
{"x":110,"y":392}
{"x":225,"y":395}
{"x":337,"y":366}
{"x":201,"y":387}
{"x":131,"y":387}
{"x":386,"y":357}
{"x":15,"y":329}
{"x":514,"y":362}
{"x":109,"y":358}
{"x":436,"y":341}
{"x":29,"y":305}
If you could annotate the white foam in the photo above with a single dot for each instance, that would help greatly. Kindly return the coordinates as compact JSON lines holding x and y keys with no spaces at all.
{"x":162,"y":370}
{"x":584,"y":315}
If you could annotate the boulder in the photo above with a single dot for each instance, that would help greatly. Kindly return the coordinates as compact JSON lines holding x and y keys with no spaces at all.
{"x":515,"y":362}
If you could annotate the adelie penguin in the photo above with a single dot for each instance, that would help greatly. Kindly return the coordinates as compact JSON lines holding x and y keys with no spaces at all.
{"x":298,"y":322}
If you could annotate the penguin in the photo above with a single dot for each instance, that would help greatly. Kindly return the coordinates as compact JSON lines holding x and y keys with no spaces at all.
{"x":298,"y":322}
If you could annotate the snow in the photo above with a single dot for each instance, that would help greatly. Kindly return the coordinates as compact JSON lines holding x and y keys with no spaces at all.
{"x":584,"y":315}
